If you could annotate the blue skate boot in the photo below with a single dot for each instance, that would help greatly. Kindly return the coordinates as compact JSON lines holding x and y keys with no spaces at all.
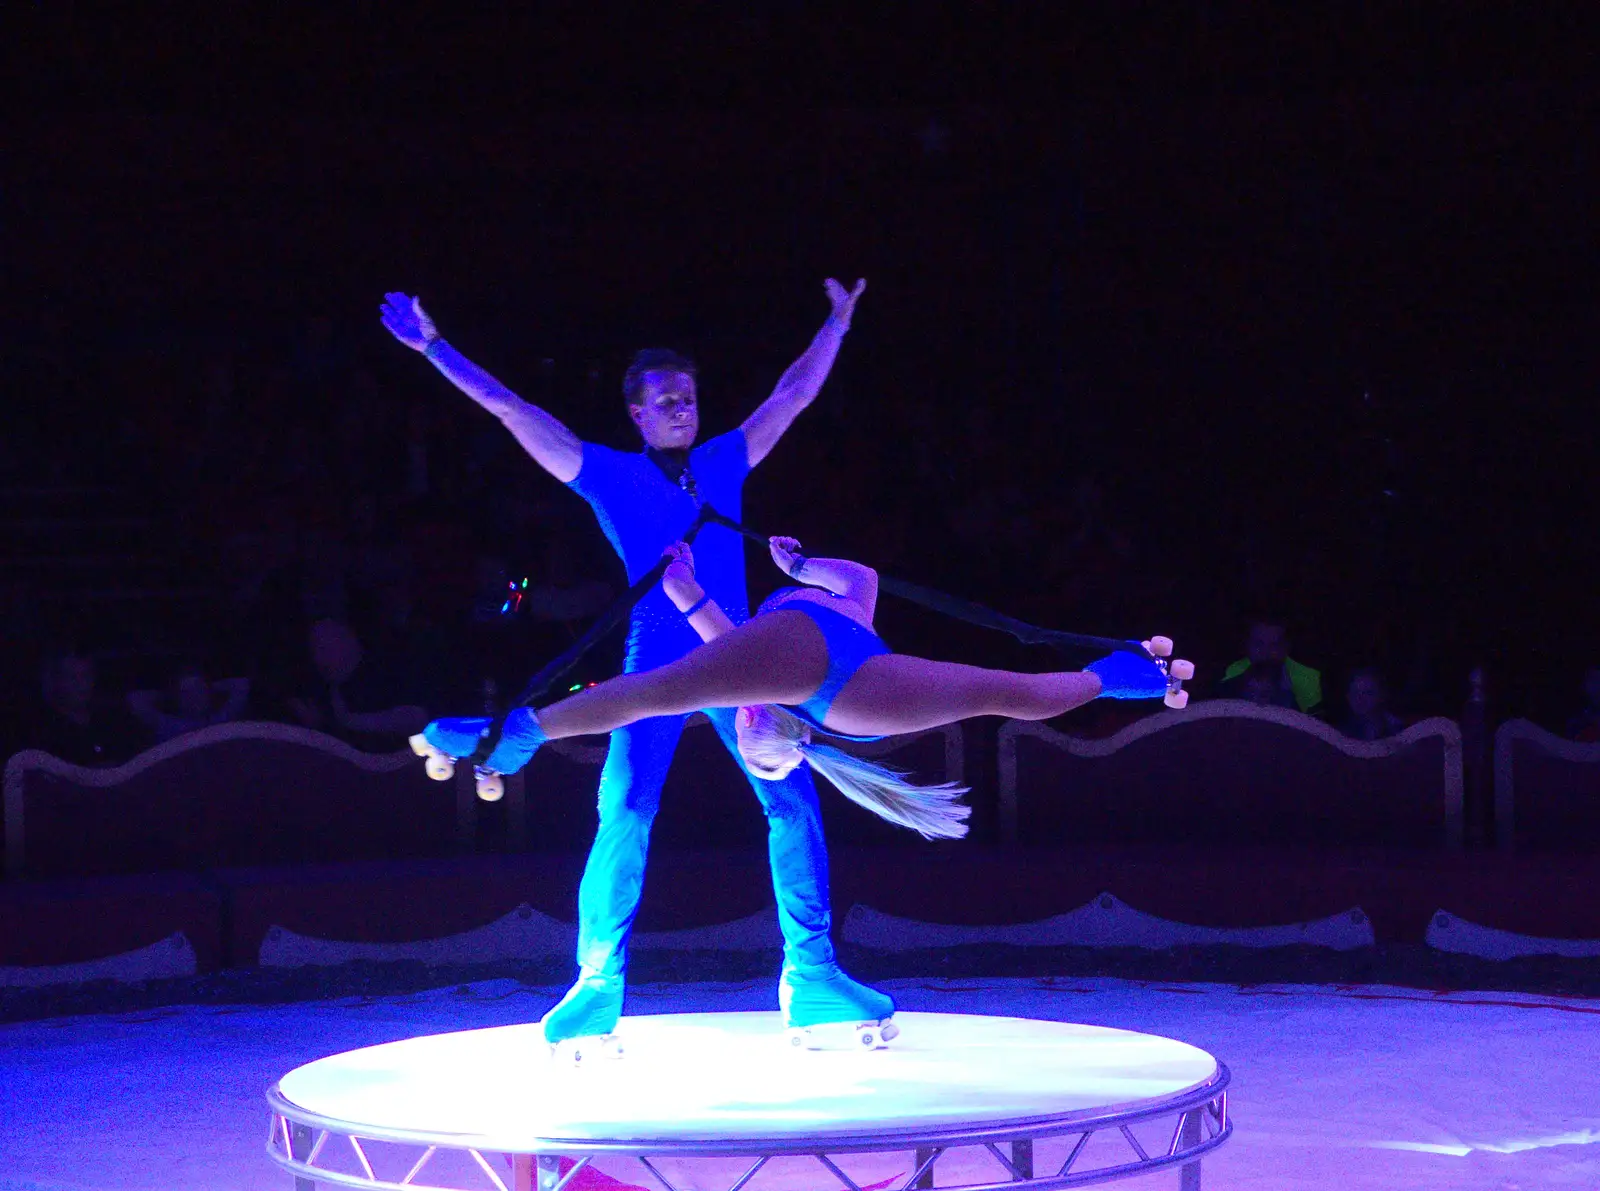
{"x":443,"y":742}
{"x":1146,"y":675}
{"x":826,"y":1010}
{"x":580,"y":1027}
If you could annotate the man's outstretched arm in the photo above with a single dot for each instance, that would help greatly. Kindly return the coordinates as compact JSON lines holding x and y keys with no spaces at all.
{"x":800,"y":384}
{"x":552,"y":445}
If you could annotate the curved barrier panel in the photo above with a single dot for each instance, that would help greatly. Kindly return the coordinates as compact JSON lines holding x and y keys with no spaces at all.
{"x":522,"y":934}
{"x":1228,"y":772}
{"x":235,"y":794}
{"x":1103,"y":922}
{"x":1546,"y":790}
{"x":1447,"y":932}
{"x":167,"y":959}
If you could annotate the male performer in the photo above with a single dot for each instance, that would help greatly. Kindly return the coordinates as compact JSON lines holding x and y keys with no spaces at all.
{"x":644,"y":502}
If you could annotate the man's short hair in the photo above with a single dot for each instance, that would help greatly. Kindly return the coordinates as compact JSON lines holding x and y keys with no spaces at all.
{"x":653,"y":359}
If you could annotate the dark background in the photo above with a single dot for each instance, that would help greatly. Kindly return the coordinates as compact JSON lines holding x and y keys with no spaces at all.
{"x":1308,"y":294}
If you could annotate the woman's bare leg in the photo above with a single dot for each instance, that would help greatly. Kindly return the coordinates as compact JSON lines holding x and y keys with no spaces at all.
{"x":898,"y":693}
{"x":777,"y":658}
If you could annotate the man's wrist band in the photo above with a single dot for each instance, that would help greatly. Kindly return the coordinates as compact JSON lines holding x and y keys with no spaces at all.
{"x":837,"y":324}
{"x":428,"y":347}
{"x":798,"y":565}
{"x":698,"y":604}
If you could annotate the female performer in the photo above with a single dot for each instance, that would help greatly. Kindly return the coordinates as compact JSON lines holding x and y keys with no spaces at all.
{"x":807,"y":661}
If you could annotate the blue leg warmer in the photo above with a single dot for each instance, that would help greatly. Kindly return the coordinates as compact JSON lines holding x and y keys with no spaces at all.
{"x":519,"y":740}
{"x":798,"y":854}
{"x":1129,"y":676}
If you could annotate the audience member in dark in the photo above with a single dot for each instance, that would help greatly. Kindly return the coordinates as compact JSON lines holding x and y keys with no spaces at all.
{"x":191,"y":702}
{"x":1585,"y":726}
{"x":72,"y":722}
{"x":1368,"y":701}
{"x":1267,"y":657}
{"x":1264,"y":687}
{"x":348,"y":696}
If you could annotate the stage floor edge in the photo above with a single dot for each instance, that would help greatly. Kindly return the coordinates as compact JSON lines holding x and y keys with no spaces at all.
{"x":723,"y":1102}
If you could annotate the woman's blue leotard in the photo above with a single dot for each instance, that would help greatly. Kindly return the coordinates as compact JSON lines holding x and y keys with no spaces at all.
{"x":849,"y":644}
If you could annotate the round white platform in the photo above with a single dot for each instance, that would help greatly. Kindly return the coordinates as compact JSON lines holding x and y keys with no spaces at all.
{"x":708,"y":1084}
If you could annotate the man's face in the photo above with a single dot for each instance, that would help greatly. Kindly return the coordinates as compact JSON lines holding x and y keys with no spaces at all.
{"x":668,"y":414}
{"x":1267,"y":645}
{"x":74,"y":682}
{"x":192,"y":694}
{"x":335,"y":651}
{"x":1365,"y":696}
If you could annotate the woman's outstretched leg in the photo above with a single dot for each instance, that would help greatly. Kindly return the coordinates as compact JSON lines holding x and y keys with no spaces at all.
{"x":899,"y":693}
{"x":777,"y":658}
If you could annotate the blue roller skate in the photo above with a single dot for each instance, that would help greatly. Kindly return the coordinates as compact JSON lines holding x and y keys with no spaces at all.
{"x":826,"y":1010}
{"x":580,"y":1028}
{"x":443,"y":742}
{"x":1127,"y":675}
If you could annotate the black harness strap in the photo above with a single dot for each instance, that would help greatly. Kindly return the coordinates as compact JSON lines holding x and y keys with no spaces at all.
{"x":552,"y":670}
{"x":937,"y":601}
{"x":949,"y":605}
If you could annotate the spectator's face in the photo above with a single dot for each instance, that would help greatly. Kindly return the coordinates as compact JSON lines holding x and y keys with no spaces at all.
{"x":1267,"y":645}
{"x":74,"y":682}
{"x":335,"y":652}
{"x":1365,"y":696}
{"x":192,"y":694}
{"x":668,"y":413}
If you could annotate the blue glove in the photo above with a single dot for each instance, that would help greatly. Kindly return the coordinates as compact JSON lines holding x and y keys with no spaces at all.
{"x":519,"y":740}
{"x":457,"y":737}
{"x":1129,"y":676}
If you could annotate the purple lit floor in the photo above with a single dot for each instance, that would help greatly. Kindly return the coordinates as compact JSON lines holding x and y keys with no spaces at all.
{"x":1345,"y":1088}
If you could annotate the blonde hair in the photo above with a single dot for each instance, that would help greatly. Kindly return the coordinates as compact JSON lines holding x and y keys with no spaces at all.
{"x":934,"y":812}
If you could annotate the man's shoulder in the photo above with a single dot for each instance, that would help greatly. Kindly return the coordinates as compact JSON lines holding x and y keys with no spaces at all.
{"x":598,"y":463}
{"x":725,"y":450}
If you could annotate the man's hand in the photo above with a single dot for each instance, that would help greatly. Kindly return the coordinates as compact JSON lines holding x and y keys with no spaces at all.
{"x":407,"y":321}
{"x":785,"y":552}
{"x":678,"y":579}
{"x":844,"y":302}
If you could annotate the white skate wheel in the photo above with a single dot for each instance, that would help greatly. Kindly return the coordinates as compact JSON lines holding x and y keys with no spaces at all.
{"x":1160,"y":646}
{"x":1181,"y":669}
{"x":888,"y":1031}
{"x":797,"y":1038}
{"x":440,"y":768}
{"x":491,"y":787}
{"x":419,"y":745}
{"x":868,"y":1037}
{"x":581,"y":1052}
{"x":1177,"y":699}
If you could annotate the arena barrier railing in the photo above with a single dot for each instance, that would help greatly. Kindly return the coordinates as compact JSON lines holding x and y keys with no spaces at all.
{"x":1231,"y":772}
{"x":1546,"y":790}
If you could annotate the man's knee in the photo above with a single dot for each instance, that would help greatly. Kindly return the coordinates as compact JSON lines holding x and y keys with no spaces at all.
{"x":635,"y":771}
{"x":792,"y":797}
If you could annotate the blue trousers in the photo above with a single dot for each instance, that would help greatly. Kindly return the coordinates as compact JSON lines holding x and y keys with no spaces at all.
{"x":630,"y":795}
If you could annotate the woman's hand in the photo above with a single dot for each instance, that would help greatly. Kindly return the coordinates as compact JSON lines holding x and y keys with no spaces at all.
{"x":678,"y":579}
{"x":786,"y":553}
{"x":407,"y":321}
{"x":843,"y":300}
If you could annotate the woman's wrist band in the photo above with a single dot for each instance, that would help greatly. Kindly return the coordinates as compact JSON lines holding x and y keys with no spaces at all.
{"x":698,"y":604}
{"x":428,"y":348}
{"x":798,"y":565}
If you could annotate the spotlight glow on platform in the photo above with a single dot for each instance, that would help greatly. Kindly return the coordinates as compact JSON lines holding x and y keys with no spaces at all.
{"x":730,"y":1076}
